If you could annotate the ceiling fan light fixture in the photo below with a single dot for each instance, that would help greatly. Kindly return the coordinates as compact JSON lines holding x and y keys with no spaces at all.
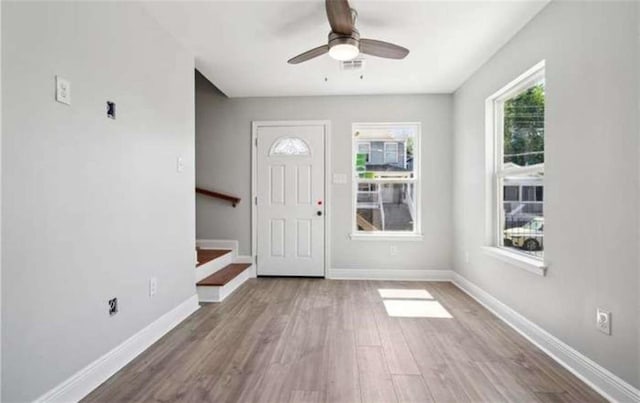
{"x":344,"y":51}
{"x":344,"y":39}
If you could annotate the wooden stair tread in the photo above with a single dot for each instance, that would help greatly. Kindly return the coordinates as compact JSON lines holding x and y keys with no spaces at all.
{"x":207,"y":255}
{"x":224,"y":275}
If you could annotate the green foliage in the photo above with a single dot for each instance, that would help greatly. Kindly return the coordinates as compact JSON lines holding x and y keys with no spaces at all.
{"x":410,"y":145}
{"x":524,"y":127}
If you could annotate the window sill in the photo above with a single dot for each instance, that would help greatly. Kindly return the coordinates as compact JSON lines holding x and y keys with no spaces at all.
{"x":532,"y":265}
{"x":385,"y":237}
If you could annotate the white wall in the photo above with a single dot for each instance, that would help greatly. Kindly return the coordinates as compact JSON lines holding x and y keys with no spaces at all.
{"x":223,"y":163}
{"x":91,"y":207}
{"x":591,"y":178}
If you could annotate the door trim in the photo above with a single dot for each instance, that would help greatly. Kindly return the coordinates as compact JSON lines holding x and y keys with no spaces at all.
{"x":255,"y":125}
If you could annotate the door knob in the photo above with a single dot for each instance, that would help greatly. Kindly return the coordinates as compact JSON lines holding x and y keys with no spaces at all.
{"x":319,"y":213}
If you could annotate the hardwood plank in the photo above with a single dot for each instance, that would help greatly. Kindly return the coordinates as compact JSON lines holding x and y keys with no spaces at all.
{"x":506,"y":383}
{"x":304,"y":396}
{"x":411,"y":388}
{"x":224,"y":275}
{"x":396,"y":350}
{"x":375,"y":380}
{"x":207,"y":255}
{"x":364,"y":322}
{"x":343,"y":383}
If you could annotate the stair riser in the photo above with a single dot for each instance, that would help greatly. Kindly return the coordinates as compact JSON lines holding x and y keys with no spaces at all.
{"x":218,"y":244}
{"x":213,"y":266}
{"x":218,"y":294}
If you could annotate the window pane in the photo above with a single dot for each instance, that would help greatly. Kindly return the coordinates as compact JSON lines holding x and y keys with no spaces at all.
{"x":523,"y":125}
{"x":385,"y":207}
{"x":364,"y":149}
{"x":511,"y":193}
{"x":289,"y":146}
{"x":522,"y":221}
{"x":389,"y":151}
{"x":529,"y":193}
{"x":385,"y":178}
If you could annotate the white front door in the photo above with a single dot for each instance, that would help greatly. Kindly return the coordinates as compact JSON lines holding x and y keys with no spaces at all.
{"x":290,"y":203}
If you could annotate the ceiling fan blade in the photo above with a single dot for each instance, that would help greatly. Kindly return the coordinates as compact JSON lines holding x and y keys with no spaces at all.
{"x":309,"y":54}
{"x":382,"y":49}
{"x":340,"y":17}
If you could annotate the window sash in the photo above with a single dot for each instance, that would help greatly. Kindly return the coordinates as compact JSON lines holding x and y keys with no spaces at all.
{"x":382,"y":182}
{"x":364,"y":145}
{"x":527,"y":80}
{"x":394,"y":152}
{"x":389,"y":178}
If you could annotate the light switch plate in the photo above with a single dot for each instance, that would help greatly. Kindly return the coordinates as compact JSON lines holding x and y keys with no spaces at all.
{"x":339,"y":179}
{"x":603,"y":321}
{"x":63,"y":90}
{"x":153,"y":286}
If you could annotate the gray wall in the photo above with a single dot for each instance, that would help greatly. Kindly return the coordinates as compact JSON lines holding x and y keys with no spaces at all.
{"x":223,"y":162}
{"x":591,"y":178}
{"x":91,"y":207}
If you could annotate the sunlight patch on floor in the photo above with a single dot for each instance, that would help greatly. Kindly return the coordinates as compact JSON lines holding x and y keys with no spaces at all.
{"x":404,"y":293}
{"x":415,"y":309}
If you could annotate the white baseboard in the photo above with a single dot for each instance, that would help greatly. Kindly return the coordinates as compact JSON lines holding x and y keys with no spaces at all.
{"x":390,"y":274}
{"x":218,"y":244}
{"x":599,"y":378}
{"x":94,"y":374}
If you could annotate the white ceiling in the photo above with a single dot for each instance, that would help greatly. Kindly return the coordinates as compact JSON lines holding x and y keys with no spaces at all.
{"x":243,"y":46}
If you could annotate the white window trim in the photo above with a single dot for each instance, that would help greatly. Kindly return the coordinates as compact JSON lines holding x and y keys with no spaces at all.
{"x":395,"y":154}
{"x":525,"y":262}
{"x":493,"y":154}
{"x":416,"y":235}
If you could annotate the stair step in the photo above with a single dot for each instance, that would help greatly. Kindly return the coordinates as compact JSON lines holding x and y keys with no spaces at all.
{"x":225,"y":275}
{"x":207,"y":255}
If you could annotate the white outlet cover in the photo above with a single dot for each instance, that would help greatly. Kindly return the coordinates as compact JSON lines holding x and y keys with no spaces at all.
{"x":179,"y":165}
{"x":603,"y":321}
{"x":63,"y":90}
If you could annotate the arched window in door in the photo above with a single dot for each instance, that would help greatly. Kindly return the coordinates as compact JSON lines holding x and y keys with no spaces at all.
{"x":290,"y":147}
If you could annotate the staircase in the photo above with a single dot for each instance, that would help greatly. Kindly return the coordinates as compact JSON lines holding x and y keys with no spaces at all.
{"x":219,"y":272}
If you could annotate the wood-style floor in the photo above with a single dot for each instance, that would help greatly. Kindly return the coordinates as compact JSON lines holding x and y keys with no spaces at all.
{"x":312,"y":340}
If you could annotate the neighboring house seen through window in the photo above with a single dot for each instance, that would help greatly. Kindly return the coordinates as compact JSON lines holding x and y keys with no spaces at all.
{"x":390,"y":152}
{"x":519,"y":164}
{"x":365,"y":149}
{"x":386,"y":181}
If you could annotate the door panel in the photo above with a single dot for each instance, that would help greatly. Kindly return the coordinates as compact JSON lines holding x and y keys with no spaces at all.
{"x":290,"y":190}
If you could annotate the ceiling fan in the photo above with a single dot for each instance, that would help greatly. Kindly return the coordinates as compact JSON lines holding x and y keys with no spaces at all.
{"x":344,"y":39}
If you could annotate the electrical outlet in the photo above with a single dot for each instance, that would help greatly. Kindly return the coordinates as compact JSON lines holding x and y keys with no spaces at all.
{"x":63,"y":91}
{"x":466,"y":257}
{"x":603,"y":321}
{"x":179,"y":165}
{"x":113,"y":306}
{"x":153,"y":286}
{"x":393,"y":250}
